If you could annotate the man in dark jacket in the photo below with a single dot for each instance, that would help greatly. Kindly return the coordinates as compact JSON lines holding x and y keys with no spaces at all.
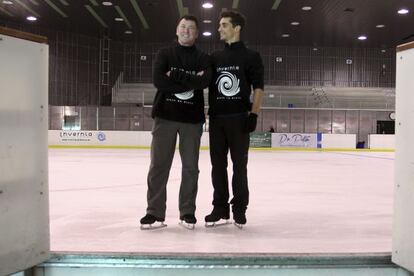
{"x":181,"y":72}
{"x":236,"y":70}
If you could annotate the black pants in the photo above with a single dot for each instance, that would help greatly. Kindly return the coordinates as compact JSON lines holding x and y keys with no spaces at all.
{"x":228,"y":133}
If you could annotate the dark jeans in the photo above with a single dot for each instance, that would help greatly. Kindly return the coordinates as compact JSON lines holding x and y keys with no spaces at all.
{"x":228,"y":133}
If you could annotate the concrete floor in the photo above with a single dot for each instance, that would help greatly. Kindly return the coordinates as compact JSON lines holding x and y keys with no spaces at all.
{"x":301,"y":202}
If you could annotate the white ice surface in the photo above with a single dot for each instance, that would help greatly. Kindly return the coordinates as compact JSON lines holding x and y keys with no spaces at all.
{"x":300,"y":202}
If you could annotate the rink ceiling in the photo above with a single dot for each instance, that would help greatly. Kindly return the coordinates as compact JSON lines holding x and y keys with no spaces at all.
{"x":332,"y":23}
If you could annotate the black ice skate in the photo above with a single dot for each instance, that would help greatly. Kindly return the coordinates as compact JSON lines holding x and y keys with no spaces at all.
{"x":215,"y":218}
{"x":239,"y":219}
{"x":150,"y":222}
{"x":188,"y":221}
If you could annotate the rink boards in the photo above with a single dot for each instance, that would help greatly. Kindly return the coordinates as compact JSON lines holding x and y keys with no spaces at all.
{"x":219,"y":264}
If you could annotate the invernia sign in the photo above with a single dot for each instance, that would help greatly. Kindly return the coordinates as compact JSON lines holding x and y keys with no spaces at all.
{"x":82,"y":136}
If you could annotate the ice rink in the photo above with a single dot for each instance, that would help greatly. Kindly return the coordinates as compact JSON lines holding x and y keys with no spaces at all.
{"x":300,"y":202}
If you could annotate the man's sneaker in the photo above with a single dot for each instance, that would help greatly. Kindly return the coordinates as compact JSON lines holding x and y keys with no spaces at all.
{"x":188,"y":221}
{"x":239,"y":219}
{"x":147,"y":222}
{"x":216,"y":215}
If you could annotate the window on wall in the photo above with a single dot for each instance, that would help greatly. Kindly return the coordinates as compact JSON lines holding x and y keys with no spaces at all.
{"x":385,"y":127}
{"x":71,"y":123}
{"x":71,"y":119}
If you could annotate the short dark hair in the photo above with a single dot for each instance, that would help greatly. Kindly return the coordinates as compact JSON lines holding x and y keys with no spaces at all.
{"x":236,"y":18}
{"x":190,"y":18}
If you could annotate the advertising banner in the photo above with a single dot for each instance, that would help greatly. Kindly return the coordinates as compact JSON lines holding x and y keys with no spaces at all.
{"x":260,"y":140}
{"x":294,"y":140}
{"x":99,"y":138}
{"x":79,"y":137}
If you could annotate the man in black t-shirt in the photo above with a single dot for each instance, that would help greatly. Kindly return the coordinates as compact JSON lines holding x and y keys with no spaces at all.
{"x":236,"y":71}
{"x":181,"y":72}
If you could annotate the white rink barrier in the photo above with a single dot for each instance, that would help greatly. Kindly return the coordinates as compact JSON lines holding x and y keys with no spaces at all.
{"x":71,"y":138}
{"x":338,"y":141}
{"x":142,"y":139}
{"x":24,"y":200}
{"x":314,"y":140}
{"x":381,"y":141}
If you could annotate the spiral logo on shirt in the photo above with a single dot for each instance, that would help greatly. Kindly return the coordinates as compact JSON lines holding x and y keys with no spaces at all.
{"x":185,"y":95}
{"x":228,"y":84}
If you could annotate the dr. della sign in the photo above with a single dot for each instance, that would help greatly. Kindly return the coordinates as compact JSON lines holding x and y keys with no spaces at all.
{"x":294,"y":140}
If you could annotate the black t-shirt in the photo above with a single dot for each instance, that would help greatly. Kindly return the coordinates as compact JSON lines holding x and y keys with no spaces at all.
{"x":236,"y":70}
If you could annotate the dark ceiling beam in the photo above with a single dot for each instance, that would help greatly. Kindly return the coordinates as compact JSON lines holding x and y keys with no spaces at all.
{"x":26,"y":7}
{"x":97,"y":17}
{"x":181,"y":9}
{"x":121,"y":14}
{"x":34,"y":2}
{"x":6,"y":12}
{"x":276,"y":4}
{"x":94,"y":3}
{"x":64,"y":2}
{"x":53,"y":6}
{"x":140,"y":14}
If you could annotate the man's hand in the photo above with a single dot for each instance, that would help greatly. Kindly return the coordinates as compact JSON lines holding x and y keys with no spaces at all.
{"x":179,"y":75}
{"x":251,"y":122}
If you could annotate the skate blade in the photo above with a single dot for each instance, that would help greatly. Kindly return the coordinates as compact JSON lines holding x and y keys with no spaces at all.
{"x":189,"y":226}
{"x":152,"y":226}
{"x":238,"y":225}
{"x":217,"y":224}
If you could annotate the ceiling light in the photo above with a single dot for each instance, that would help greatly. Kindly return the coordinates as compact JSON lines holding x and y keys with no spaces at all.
{"x":119,"y":19}
{"x":285,"y":35}
{"x":380,"y":26}
{"x":206,"y":21}
{"x":107,"y":3}
{"x":362,"y":37}
{"x":31,"y":18}
{"x":7,"y":2}
{"x":306,"y":8}
{"x":128,"y":32}
{"x":207,"y":33}
{"x":294,"y":23}
{"x":207,"y":5}
{"x":383,"y":51}
{"x":403,"y":11}
{"x":315,"y":49}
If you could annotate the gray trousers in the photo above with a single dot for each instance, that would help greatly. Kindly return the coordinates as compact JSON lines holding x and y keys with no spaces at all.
{"x":164,"y":138}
